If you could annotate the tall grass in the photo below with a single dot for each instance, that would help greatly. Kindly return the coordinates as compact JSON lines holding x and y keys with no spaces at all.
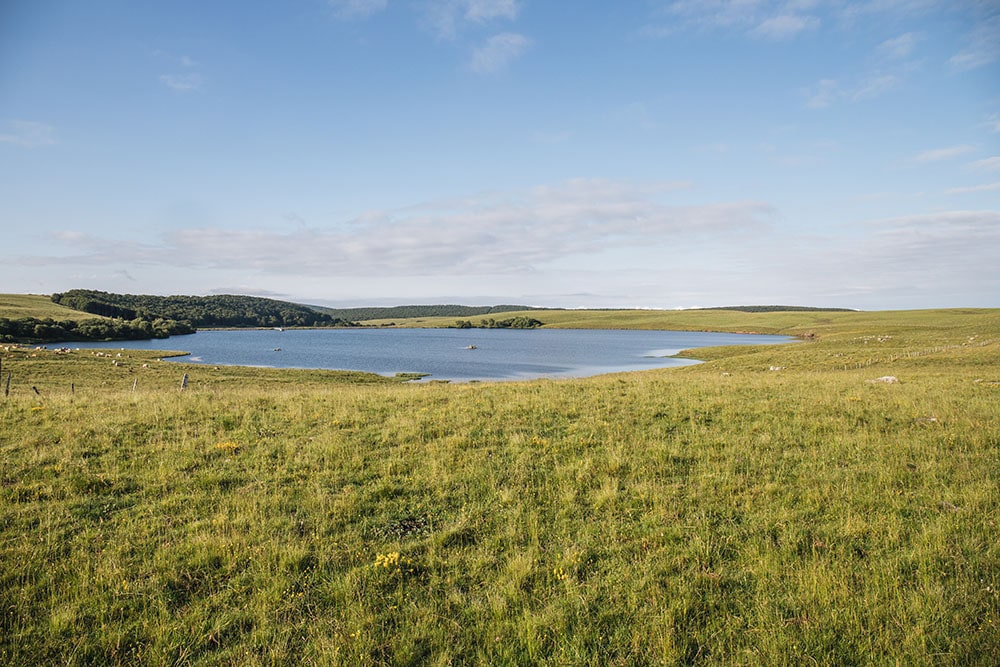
{"x":724,"y":513}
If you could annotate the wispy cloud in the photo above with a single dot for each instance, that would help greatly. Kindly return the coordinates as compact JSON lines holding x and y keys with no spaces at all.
{"x":498,"y":52}
{"x":938,"y":154}
{"x":903,"y":259}
{"x":986,"y":187}
{"x":784,"y":26}
{"x":960,"y":239}
{"x":933,"y":251}
{"x":485,"y":10}
{"x":185,"y":81}
{"x":822,"y":94}
{"x":498,"y":233}
{"x":182,"y":83}
{"x":864,"y":9}
{"x":983,"y":44}
{"x":28,"y":134}
{"x":761,"y":19}
{"x":874,"y":86}
{"x":898,"y":48}
{"x":827,"y":92}
{"x":987,"y":164}
{"x":444,"y":17}
{"x":349,"y":10}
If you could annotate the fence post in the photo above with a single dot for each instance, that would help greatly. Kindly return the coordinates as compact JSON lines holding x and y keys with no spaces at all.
{"x":184,"y":381}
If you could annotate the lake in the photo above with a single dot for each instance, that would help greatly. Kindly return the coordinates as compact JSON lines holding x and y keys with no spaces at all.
{"x":445,"y":354}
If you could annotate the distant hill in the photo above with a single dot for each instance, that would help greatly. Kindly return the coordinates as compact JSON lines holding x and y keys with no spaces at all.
{"x":406,"y":312}
{"x":223,"y":310}
{"x":779,"y":309}
{"x":38,"y":306}
{"x":33,"y":318}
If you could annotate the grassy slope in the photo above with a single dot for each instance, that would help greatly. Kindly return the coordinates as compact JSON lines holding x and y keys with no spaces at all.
{"x":790,"y":322}
{"x":723,"y":513}
{"x":16,"y":306}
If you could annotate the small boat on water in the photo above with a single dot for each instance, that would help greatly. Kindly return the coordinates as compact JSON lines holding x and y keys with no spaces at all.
{"x":471,"y":347}
{"x":277,"y":349}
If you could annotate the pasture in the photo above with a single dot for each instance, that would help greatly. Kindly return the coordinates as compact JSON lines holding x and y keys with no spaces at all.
{"x":776,"y":505}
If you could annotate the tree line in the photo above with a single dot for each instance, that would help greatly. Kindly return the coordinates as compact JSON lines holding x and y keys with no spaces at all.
{"x":407,"y":312}
{"x":222,"y":310}
{"x":520,"y":322}
{"x":35,"y":330}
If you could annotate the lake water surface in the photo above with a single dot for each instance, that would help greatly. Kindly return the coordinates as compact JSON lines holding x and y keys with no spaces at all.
{"x":445,"y":354}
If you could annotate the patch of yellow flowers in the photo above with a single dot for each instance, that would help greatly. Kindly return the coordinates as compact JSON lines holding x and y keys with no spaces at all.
{"x":394,"y":562}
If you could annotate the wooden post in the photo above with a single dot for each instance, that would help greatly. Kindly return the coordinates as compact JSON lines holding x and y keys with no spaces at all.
{"x":184,"y":381}
{"x":134,"y":383}
{"x":6,"y":389}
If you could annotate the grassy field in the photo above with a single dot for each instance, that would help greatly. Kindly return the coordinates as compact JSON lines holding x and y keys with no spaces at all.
{"x":16,"y":306}
{"x":774,"y":506}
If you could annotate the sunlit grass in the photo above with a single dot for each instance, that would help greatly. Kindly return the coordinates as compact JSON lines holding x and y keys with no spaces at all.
{"x":724,"y":513}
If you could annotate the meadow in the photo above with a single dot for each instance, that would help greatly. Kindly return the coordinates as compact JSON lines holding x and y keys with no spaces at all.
{"x":774,"y":506}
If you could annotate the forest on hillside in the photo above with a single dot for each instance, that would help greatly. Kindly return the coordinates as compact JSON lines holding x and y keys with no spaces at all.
{"x":43,"y":330}
{"x":407,"y":312}
{"x":222,"y":310}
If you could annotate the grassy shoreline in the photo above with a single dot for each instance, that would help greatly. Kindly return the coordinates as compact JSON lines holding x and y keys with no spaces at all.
{"x":775,"y":505}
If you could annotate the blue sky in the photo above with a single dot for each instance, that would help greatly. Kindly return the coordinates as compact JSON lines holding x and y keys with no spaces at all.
{"x":653,"y":153}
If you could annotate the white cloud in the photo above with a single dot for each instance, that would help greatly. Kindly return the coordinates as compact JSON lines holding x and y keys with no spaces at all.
{"x":822,"y":94}
{"x":446,"y":16}
{"x":764,"y":19}
{"x":983,"y":45}
{"x":715,"y":13}
{"x":939,"y":154}
{"x":898,"y":48}
{"x":959,"y":240}
{"x":986,"y":187}
{"x":498,"y":52}
{"x":875,"y":86}
{"x":851,"y":11}
{"x":485,"y":10}
{"x":356,"y":9}
{"x":988,"y":164}
{"x":946,"y":258}
{"x":181,"y":82}
{"x":784,"y":26}
{"x":827,"y":92}
{"x":499,"y":233}
{"x":28,"y":134}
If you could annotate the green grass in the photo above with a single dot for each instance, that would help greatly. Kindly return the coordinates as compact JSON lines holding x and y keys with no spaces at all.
{"x":17,"y":306}
{"x":724,"y":513}
{"x":790,"y":322}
